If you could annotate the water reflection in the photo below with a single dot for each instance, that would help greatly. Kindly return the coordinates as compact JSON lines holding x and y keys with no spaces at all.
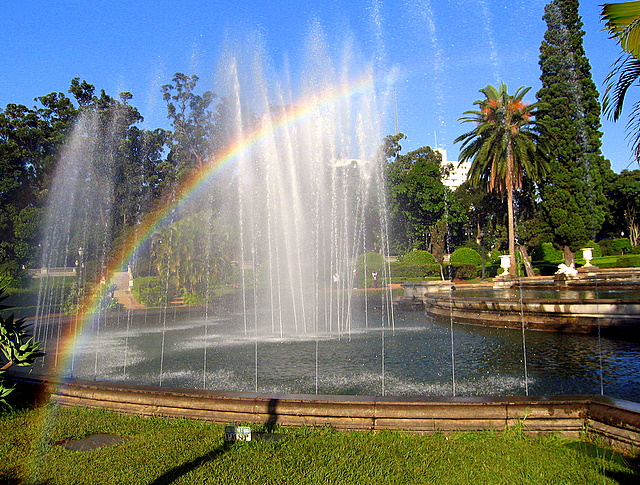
{"x":413,"y":358}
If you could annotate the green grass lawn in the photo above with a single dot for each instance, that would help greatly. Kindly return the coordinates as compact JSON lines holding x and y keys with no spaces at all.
{"x":163,"y":451}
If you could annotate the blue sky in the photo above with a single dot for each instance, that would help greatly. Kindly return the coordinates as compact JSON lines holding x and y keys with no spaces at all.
{"x":442,"y":52}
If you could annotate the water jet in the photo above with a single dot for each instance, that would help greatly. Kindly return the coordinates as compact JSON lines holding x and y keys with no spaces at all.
{"x":304,"y":200}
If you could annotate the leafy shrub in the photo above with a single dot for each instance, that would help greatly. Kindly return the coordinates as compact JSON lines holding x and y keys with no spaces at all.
{"x":629,"y":261}
{"x":17,"y":347}
{"x":402,"y":270}
{"x":152,"y":296}
{"x":108,"y":302}
{"x":73,"y":299}
{"x":405,"y":271}
{"x":461,"y":271}
{"x":466,"y":256}
{"x":546,"y":252}
{"x":77,"y":294}
{"x":192,"y":299}
{"x":13,"y":276}
{"x":150,"y":291}
{"x":621,"y":245}
{"x":494,"y":256}
{"x":419,"y":257}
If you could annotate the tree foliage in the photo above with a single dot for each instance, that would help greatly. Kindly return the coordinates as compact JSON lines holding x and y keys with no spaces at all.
{"x":573,"y":204}
{"x":503,"y":146}
{"x":625,"y":194}
{"x":195,"y":254}
{"x":623,"y":22}
{"x":417,"y":197}
{"x":30,"y":139}
{"x":191,"y":120}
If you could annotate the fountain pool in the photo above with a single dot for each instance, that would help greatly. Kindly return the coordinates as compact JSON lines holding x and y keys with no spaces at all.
{"x":412,"y":358}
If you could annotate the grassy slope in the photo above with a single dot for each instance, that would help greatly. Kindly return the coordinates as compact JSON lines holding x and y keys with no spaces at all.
{"x":179,"y":451}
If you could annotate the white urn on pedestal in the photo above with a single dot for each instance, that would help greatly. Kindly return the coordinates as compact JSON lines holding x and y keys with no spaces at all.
{"x":505,"y":264}
{"x":587,"y":254}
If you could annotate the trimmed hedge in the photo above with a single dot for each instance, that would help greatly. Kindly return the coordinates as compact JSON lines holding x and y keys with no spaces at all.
{"x":611,"y":247}
{"x":461,"y":271}
{"x":25,"y":300}
{"x":419,"y":257}
{"x":621,"y":245}
{"x":466,"y":256}
{"x":545,"y":269}
{"x":404,"y":271}
{"x":414,"y":271}
{"x":629,"y":261}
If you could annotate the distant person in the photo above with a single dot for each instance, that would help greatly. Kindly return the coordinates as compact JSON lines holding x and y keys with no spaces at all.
{"x":355,"y":279}
{"x":374,"y":277}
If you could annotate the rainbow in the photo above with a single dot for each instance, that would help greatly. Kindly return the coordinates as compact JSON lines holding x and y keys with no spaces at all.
{"x":190,"y":186}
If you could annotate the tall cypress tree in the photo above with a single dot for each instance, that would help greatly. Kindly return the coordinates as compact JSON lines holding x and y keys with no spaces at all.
{"x":573,"y":204}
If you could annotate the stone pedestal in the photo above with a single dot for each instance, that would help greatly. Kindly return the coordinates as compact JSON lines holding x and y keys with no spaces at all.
{"x":504,"y":281}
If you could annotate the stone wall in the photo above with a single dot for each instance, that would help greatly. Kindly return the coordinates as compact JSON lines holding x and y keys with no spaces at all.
{"x":614,"y":421}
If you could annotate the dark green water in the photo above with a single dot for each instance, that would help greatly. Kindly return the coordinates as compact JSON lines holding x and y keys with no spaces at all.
{"x":412,"y":356}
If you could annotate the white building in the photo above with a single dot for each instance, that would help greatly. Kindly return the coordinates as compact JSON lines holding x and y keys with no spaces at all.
{"x":452,"y":174}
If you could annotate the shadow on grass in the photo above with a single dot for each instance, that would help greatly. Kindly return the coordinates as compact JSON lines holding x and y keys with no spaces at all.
{"x":172,"y":475}
{"x":12,"y":480}
{"x":630,"y":477}
{"x":624,"y":478}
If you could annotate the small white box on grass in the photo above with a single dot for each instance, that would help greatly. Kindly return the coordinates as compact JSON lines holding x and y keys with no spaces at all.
{"x":237,"y":433}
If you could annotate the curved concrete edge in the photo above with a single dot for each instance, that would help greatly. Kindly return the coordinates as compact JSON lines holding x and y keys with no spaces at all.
{"x":616,"y":422}
{"x":544,"y":315}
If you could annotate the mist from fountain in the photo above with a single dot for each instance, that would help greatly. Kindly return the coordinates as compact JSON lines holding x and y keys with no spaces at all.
{"x":298,"y":196}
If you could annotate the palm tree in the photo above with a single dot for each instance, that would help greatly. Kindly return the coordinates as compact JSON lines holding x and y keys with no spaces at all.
{"x":623,"y":23}
{"x":503,"y":146}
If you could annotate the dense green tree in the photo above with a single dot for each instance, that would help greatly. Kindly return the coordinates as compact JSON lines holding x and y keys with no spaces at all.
{"x":625,"y":195}
{"x":30,"y":139}
{"x":573,"y":204}
{"x":106,"y":201}
{"x":192,"y":122}
{"x":502,"y":147}
{"x":58,"y":113}
{"x":391,"y":147}
{"x":194,"y":254}
{"x":138,"y":176}
{"x":486,"y":223}
{"x":417,"y":196}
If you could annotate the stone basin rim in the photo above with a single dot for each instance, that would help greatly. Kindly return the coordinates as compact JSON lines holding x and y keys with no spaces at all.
{"x":615,"y":421}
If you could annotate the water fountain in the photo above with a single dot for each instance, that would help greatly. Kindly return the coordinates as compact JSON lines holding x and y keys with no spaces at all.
{"x":305,"y":202}
{"x":302,"y":199}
